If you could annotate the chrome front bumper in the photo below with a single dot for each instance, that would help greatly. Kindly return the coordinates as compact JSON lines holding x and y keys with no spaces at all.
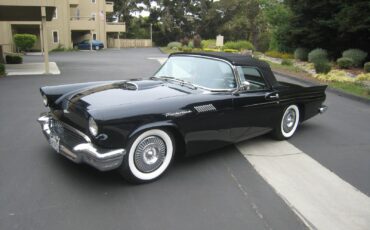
{"x":77,"y":146}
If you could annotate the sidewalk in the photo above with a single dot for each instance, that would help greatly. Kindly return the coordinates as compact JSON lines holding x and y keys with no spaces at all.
{"x":31,"y":69}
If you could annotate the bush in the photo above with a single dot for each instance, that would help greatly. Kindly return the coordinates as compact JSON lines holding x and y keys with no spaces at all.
{"x":13,"y":59}
{"x":239,"y":45}
{"x":187,"y":49}
{"x":318,"y":55}
{"x":301,"y":54}
{"x":335,"y":76}
{"x":367,"y":67}
{"x":197,"y":41}
{"x":230,"y":50}
{"x":174,"y":45}
{"x":322,"y":66}
{"x":358,"y":56}
{"x":276,"y":54}
{"x":185,"y":41}
{"x":24,"y":41}
{"x":2,"y":69}
{"x":344,"y":63}
{"x":210,"y":44}
{"x":211,"y":50}
{"x":287,"y":62}
{"x":363,"y":77}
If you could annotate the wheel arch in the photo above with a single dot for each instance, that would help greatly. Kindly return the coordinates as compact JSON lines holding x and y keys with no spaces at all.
{"x":169,"y":126}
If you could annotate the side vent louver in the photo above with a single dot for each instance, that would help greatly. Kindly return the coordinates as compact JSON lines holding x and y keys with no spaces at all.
{"x":205,"y":108}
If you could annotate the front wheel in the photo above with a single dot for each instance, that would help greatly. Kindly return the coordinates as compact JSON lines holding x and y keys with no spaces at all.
{"x":149,"y":156}
{"x":288,"y":123}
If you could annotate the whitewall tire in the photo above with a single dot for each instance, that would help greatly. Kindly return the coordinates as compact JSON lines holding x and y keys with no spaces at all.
{"x":288,"y":123}
{"x":148,"y":156}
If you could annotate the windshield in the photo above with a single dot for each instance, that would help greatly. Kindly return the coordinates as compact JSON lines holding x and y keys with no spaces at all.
{"x":203,"y":72}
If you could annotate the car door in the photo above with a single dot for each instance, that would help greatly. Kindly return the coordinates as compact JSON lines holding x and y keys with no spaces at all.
{"x":256,"y":108}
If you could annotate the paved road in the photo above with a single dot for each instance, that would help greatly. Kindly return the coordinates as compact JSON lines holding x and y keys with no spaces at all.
{"x":220,"y":190}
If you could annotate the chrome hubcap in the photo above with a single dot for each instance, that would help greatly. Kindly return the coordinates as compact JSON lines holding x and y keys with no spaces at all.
{"x":150,"y":154}
{"x":289,"y":120}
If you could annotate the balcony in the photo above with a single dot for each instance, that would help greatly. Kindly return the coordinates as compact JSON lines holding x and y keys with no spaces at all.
{"x":115,"y":27}
{"x":82,"y":23}
{"x":74,"y":2}
{"x":109,"y":7}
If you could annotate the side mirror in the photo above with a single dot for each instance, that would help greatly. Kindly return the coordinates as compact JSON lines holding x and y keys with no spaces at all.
{"x":245,"y":86}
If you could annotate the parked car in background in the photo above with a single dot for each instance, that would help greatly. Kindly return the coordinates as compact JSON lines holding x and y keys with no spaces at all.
{"x":85,"y":45}
{"x":194,"y":103}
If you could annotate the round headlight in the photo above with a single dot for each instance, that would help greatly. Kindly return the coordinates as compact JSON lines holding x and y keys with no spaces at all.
{"x":93,"y":127}
{"x":45,"y":100}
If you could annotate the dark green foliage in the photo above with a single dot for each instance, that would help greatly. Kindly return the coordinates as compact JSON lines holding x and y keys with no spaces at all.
{"x":367,"y":67}
{"x":322,"y":66}
{"x":287,"y":62}
{"x":13,"y":59}
{"x":344,"y":62}
{"x":2,"y":69}
{"x":332,"y":25}
{"x":357,"y":56}
{"x":317,"y":55}
{"x":301,"y":54}
{"x":24,"y":42}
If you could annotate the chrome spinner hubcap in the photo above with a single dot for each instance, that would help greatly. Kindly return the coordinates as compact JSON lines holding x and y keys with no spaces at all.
{"x":150,"y":154}
{"x":289,"y":120}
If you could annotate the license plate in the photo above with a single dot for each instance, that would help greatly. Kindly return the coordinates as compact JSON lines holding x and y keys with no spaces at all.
{"x":54,"y":142}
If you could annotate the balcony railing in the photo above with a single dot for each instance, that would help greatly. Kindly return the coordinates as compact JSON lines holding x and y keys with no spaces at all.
{"x":82,"y":23}
{"x":115,"y":27}
{"x":74,"y":2}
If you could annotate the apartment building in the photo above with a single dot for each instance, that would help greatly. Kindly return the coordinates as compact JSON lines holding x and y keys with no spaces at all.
{"x":73,"y":21}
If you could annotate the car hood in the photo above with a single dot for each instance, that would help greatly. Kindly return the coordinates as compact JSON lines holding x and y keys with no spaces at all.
{"x":125,"y":93}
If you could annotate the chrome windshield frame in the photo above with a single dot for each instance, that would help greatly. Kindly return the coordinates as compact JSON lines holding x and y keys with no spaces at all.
{"x":233,"y":68}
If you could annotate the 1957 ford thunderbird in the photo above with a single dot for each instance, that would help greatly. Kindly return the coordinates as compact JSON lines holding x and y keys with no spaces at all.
{"x":194,"y":103}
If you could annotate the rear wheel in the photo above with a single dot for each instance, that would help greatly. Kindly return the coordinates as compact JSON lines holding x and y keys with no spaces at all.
{"x":149,"y":156}
{"x":288,"y":123}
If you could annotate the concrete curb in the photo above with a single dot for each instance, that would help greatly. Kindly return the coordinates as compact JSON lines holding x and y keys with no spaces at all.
{"x":332,"y":90}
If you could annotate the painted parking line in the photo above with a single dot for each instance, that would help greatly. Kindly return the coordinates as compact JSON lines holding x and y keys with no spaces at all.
{"x":318,"y":196}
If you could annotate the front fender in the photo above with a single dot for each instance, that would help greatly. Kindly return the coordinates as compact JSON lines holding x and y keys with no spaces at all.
{"x":159,"y":124}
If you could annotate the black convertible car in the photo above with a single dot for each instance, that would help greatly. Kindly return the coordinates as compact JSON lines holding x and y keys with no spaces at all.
{"x":194,"y":103}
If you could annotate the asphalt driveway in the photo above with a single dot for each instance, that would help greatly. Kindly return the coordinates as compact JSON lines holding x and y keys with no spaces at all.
{"x":219,"y":190}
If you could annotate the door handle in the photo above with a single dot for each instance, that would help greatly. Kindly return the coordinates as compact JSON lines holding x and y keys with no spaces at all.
{"x":274,"y":96}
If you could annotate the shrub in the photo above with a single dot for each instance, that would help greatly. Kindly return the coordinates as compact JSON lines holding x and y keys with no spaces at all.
{"x":24,"y":41}
{"x":358,"y":56}
{"x":344,"y":63}
{"x":13,"y":59}
{"x":367,"y":67}
{"x":301,"y":54}
{"x":197,"y":41}
{"x":2,"y":69}
{"x":363,"y":77}
{"x":239,"y":45}
{"x":191,"y":45}
{"x":335,"y":76}
{"x":174,"y":45}
{"x":187,"y":49}
{"x":211,"y":44}
{"x":287,"y":62}
{"x":322,"y":66}
{"x":318,"y":55}
{"x":210,"y":50}
{"x":230,"y":50}
{"x":276,"y":54}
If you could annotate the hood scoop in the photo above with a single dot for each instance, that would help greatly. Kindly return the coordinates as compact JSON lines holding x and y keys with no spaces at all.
{"x":140,"y":85}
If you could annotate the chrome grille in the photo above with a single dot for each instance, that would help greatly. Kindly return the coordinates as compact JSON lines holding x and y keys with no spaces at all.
{"x":67,"y":137}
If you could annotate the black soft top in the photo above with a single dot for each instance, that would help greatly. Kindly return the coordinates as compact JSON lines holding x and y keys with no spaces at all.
{"x":240,"y":60}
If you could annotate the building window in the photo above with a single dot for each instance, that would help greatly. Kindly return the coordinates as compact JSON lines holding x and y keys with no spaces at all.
{"x":93,"y":1}
{"x":55,"y":14}
{"x":94,"y":36}
{"x":55,"y":36}
{"x":93,"y":16}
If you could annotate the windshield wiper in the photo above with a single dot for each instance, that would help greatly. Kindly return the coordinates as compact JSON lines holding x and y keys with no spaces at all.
{"x":182,"y":82}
